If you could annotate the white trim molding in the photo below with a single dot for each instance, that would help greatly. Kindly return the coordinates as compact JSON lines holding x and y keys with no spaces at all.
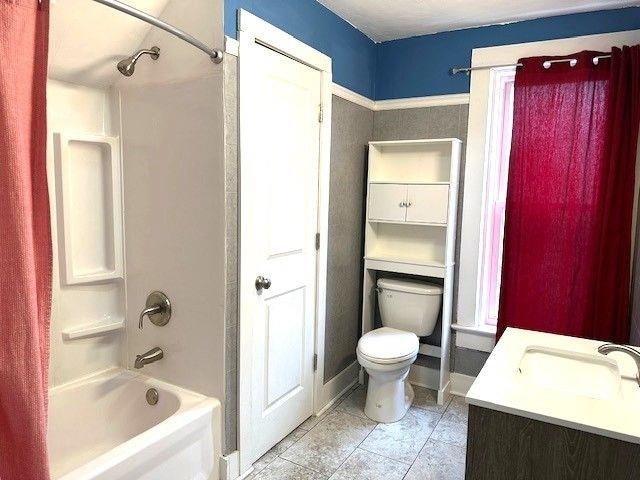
{"x":231,"y":46}
{"x":460,"y":384}
{"x":331,"y":391}
{"x":421,"y":102}
{"x":475,"y":337}
{"x":400,"y":103}
{"x":353,"y":97}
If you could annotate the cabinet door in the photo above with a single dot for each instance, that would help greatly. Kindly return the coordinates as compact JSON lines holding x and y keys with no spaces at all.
{"x":427,"y":203}
{"x":387,"y":202}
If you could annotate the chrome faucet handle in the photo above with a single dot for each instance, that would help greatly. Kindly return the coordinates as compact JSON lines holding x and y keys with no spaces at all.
{"x":632,"y":352}
{"x":158,"y":309}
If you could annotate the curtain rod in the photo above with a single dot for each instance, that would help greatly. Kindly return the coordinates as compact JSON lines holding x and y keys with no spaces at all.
{"x":215,"y":55}
{"x":547,"y":64}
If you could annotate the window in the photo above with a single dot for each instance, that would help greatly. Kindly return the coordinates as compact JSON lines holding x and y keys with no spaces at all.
{"x":499,"y":146}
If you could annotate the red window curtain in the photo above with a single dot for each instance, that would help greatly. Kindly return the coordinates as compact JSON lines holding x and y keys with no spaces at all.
{"x":567,"y":240}
{"x":25,"y":241}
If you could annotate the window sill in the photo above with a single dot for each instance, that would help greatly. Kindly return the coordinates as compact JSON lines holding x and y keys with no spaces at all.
{"x":475,"y":337}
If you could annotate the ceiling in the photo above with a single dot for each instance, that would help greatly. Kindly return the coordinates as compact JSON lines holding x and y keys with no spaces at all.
{"x":383,"y":20}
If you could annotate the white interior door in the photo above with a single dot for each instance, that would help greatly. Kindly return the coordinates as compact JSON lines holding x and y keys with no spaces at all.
{"x":279,"y":199}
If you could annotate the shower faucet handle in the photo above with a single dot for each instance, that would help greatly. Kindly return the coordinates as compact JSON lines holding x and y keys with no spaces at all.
{"x":158,"y":309}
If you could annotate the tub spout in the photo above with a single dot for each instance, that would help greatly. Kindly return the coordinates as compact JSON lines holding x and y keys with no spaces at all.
{"x":146,"y":358}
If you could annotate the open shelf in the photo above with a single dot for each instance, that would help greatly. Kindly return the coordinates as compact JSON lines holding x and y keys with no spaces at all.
{"x":93,"y":329}
{"x":408,"y":265}
{"x":417,"y":161}
{"x":89,"y":198}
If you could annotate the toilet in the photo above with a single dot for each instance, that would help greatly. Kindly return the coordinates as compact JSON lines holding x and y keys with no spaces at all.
{"x":408,"y":309}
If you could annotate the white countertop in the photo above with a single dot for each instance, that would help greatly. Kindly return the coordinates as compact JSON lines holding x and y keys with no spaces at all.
{"x":501,"y":386}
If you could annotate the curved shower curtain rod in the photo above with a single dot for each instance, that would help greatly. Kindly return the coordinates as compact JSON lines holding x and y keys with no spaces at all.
{"x":215,"y":55}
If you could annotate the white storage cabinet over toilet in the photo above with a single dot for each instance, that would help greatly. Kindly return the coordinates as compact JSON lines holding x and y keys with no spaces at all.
{"x":410,"y":230}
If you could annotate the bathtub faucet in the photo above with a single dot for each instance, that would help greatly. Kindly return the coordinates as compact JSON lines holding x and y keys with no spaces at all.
{"x":146,"y":358}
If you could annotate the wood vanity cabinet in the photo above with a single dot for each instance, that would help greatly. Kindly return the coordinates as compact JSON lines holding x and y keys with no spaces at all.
{"x":502,"y":446}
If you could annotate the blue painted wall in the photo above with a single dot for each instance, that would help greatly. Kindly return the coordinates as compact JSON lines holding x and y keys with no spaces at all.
{"x":419,"y":66}
{"x":353,"y":53}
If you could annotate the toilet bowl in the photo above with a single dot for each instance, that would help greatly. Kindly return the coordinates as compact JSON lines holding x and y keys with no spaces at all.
{"x":408,"y":309}
{"x":387,"y":354}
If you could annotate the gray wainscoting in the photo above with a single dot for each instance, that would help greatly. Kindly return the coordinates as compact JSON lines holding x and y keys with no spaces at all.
{"x":230,"y":409}
{"x":351,"y":130}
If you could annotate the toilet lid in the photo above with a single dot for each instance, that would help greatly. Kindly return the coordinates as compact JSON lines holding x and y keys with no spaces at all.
{"x":388,"y":345}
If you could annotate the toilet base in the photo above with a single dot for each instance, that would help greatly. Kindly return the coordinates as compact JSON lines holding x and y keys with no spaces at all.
{"x":389,"y":395}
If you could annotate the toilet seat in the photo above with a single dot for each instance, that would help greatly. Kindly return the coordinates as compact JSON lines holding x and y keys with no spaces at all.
{"x":385,"y":346}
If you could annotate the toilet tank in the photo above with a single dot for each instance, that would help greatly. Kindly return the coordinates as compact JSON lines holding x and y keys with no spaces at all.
{"x":409,"y":305}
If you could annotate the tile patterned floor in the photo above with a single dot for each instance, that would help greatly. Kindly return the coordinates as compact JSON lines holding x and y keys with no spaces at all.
{"x":429,"y":443}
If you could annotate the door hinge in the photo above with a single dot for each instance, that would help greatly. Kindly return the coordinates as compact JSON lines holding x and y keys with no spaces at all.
{"x":315,"y":362}
{"x":317,"y":241}
{"x":321,"y":114}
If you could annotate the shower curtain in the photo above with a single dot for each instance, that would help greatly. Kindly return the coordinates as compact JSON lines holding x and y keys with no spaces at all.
{"x":25,"y":240}
{"x":567,"y":239}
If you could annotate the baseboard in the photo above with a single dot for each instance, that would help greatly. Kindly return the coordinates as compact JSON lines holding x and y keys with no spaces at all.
{"x":338,"y":386}
{"x":246,"y":474}
{"x":230,"y":466}
{"x":460,"y":383}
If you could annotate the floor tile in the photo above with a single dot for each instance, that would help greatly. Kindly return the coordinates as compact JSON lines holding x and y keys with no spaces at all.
{"x":329,"y":444}
{"x":362,"y":465}
{"x":457,"y":411}
{"x":354,"y":403}
{"x":281,"y":469}
{"x":264,"y":461}
{"x":454,"y":433}
{"x":313,"y":420}
{"x":404,"y":439}
{"x":438,"y":461}
{"x":427,"y":400}
{"x":289,"y":440}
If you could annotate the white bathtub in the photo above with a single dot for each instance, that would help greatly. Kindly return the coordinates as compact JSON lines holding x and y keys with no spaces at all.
{"x":102,"y":427}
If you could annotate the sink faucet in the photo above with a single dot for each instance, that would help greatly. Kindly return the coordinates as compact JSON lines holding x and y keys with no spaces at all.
{"x":612,"y":347}
{"x":146,"y":358}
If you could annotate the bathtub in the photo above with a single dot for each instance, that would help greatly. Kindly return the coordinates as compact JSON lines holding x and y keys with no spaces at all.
{"x":102,"y":427}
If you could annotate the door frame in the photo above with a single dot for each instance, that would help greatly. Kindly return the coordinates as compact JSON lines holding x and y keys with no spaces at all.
{"x":252,"y":30}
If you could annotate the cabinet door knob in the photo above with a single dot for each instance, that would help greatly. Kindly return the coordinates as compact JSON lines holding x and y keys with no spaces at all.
{"x":409,"y":204}
{"x":403,"y":204}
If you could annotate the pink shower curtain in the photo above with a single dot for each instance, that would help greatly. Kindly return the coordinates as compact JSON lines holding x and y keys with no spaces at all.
{"x":25,"y":241}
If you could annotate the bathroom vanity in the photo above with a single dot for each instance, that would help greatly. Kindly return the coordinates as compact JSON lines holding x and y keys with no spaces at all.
{"x":551,"y":407}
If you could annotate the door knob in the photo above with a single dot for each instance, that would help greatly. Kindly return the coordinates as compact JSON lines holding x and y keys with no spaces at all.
{"x":262,"y":282}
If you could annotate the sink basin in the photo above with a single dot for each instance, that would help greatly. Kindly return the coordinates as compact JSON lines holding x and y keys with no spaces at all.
{"x":592,"y":376}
